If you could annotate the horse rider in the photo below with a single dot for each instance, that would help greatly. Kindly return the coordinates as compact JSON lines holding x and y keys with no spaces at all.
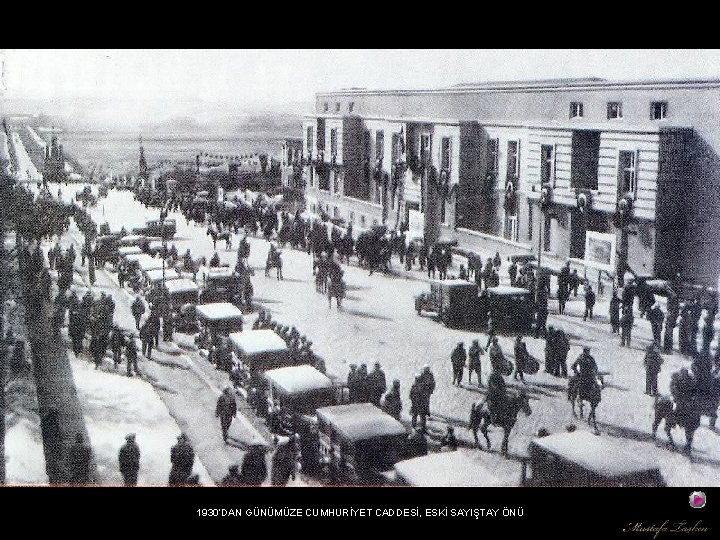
{"x":586,"y":369}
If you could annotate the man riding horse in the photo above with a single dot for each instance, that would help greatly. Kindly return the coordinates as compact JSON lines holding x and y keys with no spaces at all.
{"x":585,"y":385}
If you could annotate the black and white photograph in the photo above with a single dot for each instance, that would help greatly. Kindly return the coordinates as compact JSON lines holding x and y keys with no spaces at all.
{"x":351,"y":268}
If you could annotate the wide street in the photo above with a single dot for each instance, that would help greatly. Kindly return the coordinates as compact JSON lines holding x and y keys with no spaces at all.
{"x":378,"y":323}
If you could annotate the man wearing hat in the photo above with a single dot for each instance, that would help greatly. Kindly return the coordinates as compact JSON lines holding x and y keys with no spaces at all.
{"x":182,"y":458}
{"x":586,"y":369}
{"x":79,"y":458}
{"x":129,"y":459}
{"x":652,"y":362}
{"x":457,"y":359}
{"x":226,"y":409}
{"x":392,"y":404}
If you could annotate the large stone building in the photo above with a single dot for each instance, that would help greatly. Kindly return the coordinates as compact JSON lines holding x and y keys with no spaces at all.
{"x":600,"y":172}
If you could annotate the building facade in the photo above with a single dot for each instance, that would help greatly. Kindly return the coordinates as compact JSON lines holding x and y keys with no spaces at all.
{"x":608,"y":174}
{"x":291,"y":163}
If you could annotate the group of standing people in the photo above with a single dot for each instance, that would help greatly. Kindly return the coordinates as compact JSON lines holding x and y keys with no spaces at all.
{"x":364,"y":386}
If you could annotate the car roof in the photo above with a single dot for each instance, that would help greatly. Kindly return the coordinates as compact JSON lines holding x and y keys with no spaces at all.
{"x":145,"y":261}
{"x":129,"y":250}
{"x":218,"y":310}
{"x":459,"y":468}
{"x":453,"y":283}
{"x":360,"y":421}
{"x":504,"y":290}
{"x":181,"y":285}
{"x":602,"y":455}
{"x":157,"y":275}
{"x":263,"y":341}
{"x":298,"y":379}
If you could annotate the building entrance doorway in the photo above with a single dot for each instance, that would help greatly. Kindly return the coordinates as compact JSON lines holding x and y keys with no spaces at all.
{"x":578,"y":230}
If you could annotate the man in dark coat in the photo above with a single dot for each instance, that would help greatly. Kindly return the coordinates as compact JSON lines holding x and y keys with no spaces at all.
{"x":182,"y":458}
{"x":282,"y":465}
{"x":417,"y":402}
{"x":168,"y":326}
{"x":254,"y":469}
{"x":137,"y":309}
{"x":392,"y":403}
{"x":589,"y":302}
{"x":626,"y":323}
{"x":512,"y":273}
{"x":148,"y":339}
{"x":458,"y":359}
{"x":226,"y":409}
{"x":129,"y":460}
{"x":79,"y":457}
{"x":656,"y":317}
{"x":652,"y":362}
{"x":362,"y":388}
{"x":586,"y":369}
{"x":562,"y":348}
{"x":475,"y":366}
{"x":673,"y":311}
{"x":131,"y":357}
{"x":376,"y":384}
{"x":521,"y":357}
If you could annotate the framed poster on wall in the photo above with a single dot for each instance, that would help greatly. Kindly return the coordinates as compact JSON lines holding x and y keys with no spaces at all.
{"x":600,"y":250}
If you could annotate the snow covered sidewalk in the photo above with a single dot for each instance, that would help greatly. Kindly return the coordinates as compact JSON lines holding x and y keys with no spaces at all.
{"x":115,"y":405}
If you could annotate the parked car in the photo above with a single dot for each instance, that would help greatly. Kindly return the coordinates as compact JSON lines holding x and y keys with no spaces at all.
{"x":511,"y":309}
{"x":582,"y":459}
{"x":359,"y":442}
{"x":458,"y":468}
{"x":454,"y":302}
{"x":164,"y":229}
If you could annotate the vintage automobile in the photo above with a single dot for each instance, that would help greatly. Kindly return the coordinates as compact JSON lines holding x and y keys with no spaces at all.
{"x":259,"y":351}
{"x":511,"y":309}
{"x":137,"y":240}
{"x":182,"y":291}
{"x":358,"y":442}
{"x":458,"y":468}
{"x":220,"y":284}
{"x":153,"y":277}
{"x":153,"y":245}
{"x":164,"y":229}
{"x":582,"y":459}
{"x":219,"y":318}
{"x":454,"y":302}
{"x":297,"y":392}
{"x":144,"y":262}
{"x":128,"y":250}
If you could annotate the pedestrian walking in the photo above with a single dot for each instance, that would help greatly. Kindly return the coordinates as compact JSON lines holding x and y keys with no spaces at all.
{"x":182,"y":459}
{"x":656,"y":317}
{"x":392,"y":403}
{"x":652,"y":362}
{"x":376,"y":384}
{"x":589,"y":302}
{"x":137,"y":309}
{"x":147,"y":338}
{"x":550,"y":350}
{"x":521,"y":357}
{"x":129,"y":460}
{"x":458,"y":359}
{"x":512,"y":273}
{"x":562,"y":348}
{"x":226,"y":409}
{"x":131,"y":357}
{"x":626,"y":324}
{"x":79,"y":457}
{"x":474,"y":363}
{"x":417,"y":403}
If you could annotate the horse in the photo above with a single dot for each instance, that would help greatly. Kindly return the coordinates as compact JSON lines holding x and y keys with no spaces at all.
{"x":578,"y":393}
{"x":274,"y":260}
{"x":686,"y":416}
{"x":481,"y":420}
{"x":224,"y":235}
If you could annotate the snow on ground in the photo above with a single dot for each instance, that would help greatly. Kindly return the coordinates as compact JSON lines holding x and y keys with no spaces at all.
{"x":36,"y":138}
{"x":24,"y":457}
{"x":378,"y":323}
{"x":115,"y":405}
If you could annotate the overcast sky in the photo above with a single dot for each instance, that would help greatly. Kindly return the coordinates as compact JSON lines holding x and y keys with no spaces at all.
{"x":276,"y":76}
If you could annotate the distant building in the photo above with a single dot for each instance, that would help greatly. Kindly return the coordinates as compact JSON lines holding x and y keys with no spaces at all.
{"x":609,"y":174}
{"x":291,"y":163}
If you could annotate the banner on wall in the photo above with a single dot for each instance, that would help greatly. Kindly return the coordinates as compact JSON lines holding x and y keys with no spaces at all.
{"x":600,"y":250}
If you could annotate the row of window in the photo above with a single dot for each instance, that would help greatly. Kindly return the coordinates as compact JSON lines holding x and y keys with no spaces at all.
{"x":658,"y":110}
{"x":326,"y":106}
